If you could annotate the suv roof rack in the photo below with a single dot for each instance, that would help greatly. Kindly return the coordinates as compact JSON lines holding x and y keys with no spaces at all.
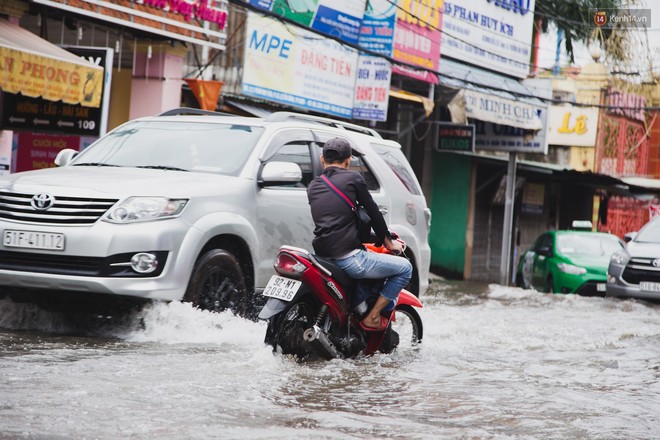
{"x":287,"y":116}
{"x":193,"y":111}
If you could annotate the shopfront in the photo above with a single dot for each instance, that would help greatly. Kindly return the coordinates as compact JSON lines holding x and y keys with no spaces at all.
{"x":135,"y":51}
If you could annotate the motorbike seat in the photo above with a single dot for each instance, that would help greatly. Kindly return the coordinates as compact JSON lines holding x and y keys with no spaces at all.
{"x":346,"y":282}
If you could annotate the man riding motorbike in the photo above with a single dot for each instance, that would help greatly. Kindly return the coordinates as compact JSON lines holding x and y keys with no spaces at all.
{"x":337,"y":238}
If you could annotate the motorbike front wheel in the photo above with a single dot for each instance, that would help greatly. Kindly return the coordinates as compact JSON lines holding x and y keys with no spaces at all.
{"x":408,"y":324}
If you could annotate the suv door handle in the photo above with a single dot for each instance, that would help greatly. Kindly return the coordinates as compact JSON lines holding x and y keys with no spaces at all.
{"x":383,"y":209}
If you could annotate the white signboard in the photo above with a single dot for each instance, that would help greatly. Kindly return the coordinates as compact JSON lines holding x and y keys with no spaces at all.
{"x":289,"y":65}
{"x":494,"y":137}
{"x":572,"y":126}
{"x":496,"y":35}
{"x":502,"y":111}
{"x":372,"y":88}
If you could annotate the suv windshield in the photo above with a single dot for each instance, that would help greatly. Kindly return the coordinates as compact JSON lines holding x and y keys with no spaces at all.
{"x":187,"y":146}
{"x":587,"y":244}
{"x":649,"y":233}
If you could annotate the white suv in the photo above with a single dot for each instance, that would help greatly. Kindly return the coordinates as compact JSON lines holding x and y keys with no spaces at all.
{"x":189,"y":207}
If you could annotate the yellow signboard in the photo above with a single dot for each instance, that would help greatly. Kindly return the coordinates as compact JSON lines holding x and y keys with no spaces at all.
{"x":39,"y":76}
{"x":37,"y":68}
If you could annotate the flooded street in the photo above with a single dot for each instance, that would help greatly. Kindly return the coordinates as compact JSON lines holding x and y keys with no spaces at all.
{"x":496,"y":362}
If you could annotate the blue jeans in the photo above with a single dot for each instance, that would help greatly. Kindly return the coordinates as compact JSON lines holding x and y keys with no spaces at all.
{"x":396,"y":271}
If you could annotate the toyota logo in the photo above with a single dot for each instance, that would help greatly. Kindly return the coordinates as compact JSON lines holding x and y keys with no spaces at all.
{"x":42,"y":202}
{"x":656,"y":262}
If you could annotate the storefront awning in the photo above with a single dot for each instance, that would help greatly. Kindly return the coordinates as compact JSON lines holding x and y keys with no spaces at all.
{"x":639,"y":188}
{"x":35,"y":67}
{"x":490,"y":97}
{"x":427,"y":103}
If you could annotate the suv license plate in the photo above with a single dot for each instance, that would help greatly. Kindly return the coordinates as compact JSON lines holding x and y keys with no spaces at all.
{"x":649,"y":287}
{"x":601,"y":287}
{"x":33,"y":240}
{"x":282,"y":288}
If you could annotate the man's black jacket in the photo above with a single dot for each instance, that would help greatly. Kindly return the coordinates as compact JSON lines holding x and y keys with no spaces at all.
{"x":336,"y":232}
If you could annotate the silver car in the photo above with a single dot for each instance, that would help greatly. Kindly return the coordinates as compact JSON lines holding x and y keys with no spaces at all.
{"x":189,"y":207}
{"x":635,"y":271}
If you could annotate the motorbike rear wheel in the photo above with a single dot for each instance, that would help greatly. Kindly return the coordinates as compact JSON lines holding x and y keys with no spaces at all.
{"x":408,"y":324}
{"x":285,"y":331}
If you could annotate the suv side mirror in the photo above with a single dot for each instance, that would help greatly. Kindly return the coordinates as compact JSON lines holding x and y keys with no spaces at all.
{"x":629,"y":236}
{"x":65,"y":156}
{"x":278,"y":173}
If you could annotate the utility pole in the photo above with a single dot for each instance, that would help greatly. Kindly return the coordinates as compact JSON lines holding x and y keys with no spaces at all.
{"x":510,"y":198}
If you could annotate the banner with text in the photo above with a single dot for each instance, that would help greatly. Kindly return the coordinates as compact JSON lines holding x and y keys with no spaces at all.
{"x":495,"y":35}
{"x":417,"y":38}
{"x":501,"y":111}
{"x":298,"y":68}
{"x":572,"y":126}
{"x":337,"y":18}
{"x":372,"y":88}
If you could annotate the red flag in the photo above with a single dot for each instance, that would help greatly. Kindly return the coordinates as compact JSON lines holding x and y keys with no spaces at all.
{"x":206,"y":92}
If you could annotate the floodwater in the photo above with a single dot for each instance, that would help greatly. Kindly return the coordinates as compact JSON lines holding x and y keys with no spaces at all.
{"x":496,"y":362}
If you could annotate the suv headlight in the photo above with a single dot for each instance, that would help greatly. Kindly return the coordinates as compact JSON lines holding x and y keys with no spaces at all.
{"x":136,"y":209}
{"x":570,"y":269}
{"x":619,"y":258}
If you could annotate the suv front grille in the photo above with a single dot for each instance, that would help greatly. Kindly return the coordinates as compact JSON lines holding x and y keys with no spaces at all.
{"x":641,"y":269}
{"x":65,"y":210}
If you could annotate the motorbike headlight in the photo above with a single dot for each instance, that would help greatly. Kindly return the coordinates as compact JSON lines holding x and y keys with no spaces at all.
{"x":571,"y":269}
{"x":619,"y":258}
{"x":139,"y":209}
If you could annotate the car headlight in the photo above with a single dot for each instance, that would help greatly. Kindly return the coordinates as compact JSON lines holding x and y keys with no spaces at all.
{"x":619,"y":258}
{"x":136,"y":209}
{"x":570,"y":269}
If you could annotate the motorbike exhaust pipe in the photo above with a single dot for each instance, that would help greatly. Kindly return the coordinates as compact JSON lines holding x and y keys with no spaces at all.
{"x":321,"y":343}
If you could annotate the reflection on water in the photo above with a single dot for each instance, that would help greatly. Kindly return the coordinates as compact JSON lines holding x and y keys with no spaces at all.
{"x":495,"y":362}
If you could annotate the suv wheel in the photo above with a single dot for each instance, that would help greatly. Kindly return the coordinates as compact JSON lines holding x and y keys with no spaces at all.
{"x":217,"y":283}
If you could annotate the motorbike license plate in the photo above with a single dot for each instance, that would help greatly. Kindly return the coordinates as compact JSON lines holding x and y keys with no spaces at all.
{"x":282,"y":288}
{"x":649,"y":286}
{"x":601,"y":287}
{"x":33,"y":240}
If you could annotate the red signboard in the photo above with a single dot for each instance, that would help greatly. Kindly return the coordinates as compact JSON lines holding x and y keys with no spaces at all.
{"x":37,"y":150}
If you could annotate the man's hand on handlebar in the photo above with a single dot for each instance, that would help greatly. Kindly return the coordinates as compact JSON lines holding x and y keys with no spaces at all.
{"x":394,"y":244}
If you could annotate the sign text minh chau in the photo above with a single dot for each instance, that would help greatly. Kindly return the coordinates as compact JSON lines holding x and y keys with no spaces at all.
{"x":189,"y":9}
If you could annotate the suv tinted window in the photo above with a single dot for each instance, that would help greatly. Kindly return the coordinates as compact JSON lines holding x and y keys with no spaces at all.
{"x":399,"y":165}
{"x":358,"y":164}
{"x":191,"y":146}
{"x":298,"y":153}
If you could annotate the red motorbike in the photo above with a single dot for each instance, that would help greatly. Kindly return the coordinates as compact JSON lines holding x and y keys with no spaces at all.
{"x":309,"y":313}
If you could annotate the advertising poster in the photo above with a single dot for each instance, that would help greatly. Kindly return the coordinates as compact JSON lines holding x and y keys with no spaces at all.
{"x":417,"y":38}
{"x":372,"y":88}
{"x":37,"y":150}
{"x":298,"y":68}
{"x":377,"y":32}
{"x":338,"y":18}
{"x":495,"y":35}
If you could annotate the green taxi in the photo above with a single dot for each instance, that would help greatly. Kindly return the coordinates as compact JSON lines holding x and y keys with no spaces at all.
{"x":568,"y":262}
